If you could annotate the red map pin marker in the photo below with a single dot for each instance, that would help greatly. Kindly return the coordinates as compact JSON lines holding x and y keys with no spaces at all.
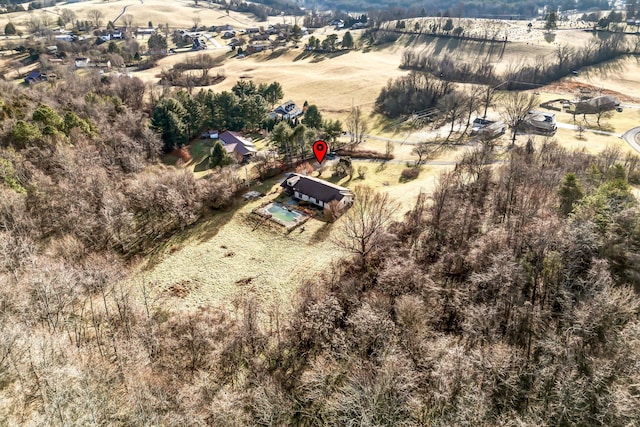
{"x":320,"y":150}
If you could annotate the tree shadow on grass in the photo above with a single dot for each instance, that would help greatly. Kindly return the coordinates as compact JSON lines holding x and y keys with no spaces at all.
{"x":202,"y":166}
{"x":322,"y":233}
{"x":410,"y":40}
{"x":381,"y":167}
{"x":440,"y":44}
{"x":329,"y":55}
{"x":303,"y":55}
{"x":273,"y":55}
{"x":204,"y":229}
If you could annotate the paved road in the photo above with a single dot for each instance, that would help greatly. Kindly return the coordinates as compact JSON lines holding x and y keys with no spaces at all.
{"x":596,"y":131}
{"x":124,"y":10}
{"x":407,"y":142}
{"x":403,"y":162}
{"x":632,"y":137}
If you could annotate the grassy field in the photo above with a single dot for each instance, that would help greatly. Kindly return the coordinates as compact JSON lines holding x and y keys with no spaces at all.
{"x":226,"y":257}
{"x":235,"y":253}
{"x":177,"y":13}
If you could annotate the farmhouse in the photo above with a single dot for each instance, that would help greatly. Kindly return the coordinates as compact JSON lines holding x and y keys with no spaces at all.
{"x":540,"y":123}
{"x":317,"y":191}
{"x":35,"y":77}
{"x":240,"y":148}
{"x":288,"y":110}
{"x":258,"y":46}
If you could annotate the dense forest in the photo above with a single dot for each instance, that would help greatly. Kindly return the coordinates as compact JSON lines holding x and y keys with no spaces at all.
{"x":508,"y":296}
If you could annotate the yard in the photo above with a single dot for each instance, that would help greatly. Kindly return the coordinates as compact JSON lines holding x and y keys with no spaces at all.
{"x":236,"y":253}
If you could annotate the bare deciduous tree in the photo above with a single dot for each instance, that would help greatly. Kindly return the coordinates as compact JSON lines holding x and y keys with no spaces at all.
{"x":34,"y":24}
{"x":357,"y":126}
{"x":67,"y":16}
{"x":127,"y":20}
{"x":425,"y":151}
{"x":516,"y":106}
{"x":363,"y":226}
{"x":95,"y":16}
{"x":452,"y":108}
{"x":473,"y":102}
{"x":487,"y":95}
{"x":564,"y":53}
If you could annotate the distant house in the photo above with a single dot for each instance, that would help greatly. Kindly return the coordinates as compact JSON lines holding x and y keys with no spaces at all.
{"x":198,"y":44}
{"x":228,"y":34}
{"x":286,"y":111}
{"x":540,"y":123}
{"x":113,"y":35}
{"x":487,"y":129}
{"x":210,"y":134}
{"x":146,"y":31}
{"x":597,"y":105}
{"x":82,"y":62}
{"x":239,"y":147}
{"x":221,"y":28}
{"x":35,"y":77}
{"x":258,"y":46}
{"x":317,"y":191}
{"x":252,"y":30}
{"x":65,"y":37}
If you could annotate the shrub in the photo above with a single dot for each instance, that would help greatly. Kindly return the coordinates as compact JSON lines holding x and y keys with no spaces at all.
{"x":409,"y":173}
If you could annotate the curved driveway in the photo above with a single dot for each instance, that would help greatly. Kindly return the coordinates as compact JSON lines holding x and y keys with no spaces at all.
{"x":632,"y":137}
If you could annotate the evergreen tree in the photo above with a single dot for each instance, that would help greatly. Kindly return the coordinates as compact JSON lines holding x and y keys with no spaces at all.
{"x":570,"y":192}
{"x":254,"y":109}
{"x":157,"y":43}
{"x":347,"y":40}
{"x":194,"y":113}
{"x":9,"y":29}
{"x":272,"y":93}
{"x":312,"y":117}
{"x":168,"y":119}
{"x":244,"y":88}
{"x":219,"y":156}
{"x":448,"y":25}
{"x":551,"y":22}
{"x":281,"y":138}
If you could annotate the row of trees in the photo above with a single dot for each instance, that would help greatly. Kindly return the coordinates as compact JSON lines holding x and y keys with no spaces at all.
{"x":524,"y":75}
{"x":411,"y":93}
{"x":329,"y":44}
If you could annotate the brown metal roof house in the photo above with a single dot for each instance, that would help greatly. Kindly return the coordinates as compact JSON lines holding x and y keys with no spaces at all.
{"x":317,"y":191}
{"x":240,"y":148}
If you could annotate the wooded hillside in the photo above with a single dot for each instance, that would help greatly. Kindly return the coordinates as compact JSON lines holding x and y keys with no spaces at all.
{"x":508,"y":296}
